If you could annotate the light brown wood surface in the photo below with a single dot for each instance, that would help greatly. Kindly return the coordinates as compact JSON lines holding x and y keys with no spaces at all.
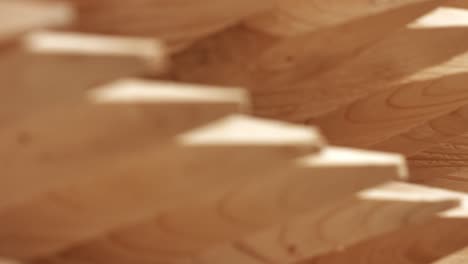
{"x":276,"y":197}
{"x":20,"y":16}
{"x":100,"y":162}
{"x":348,"y":219}
{"x":177,"y":22}
{"x":459,"y":257}
{"x":267,"y":64}
{"x":118,"y":120}
{"x":47,"y":69}
{"x":293,"y":17}
{"x":442,"y":129}
{"x":144,"y":183}
{"x":411,"y":57}
{"x":414,"y":244}
{"x":335,"y":225}
{"x":444,"y":165}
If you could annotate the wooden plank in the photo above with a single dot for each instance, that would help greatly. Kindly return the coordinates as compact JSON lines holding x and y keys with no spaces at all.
{"x":414,"y":244}
{"x":425,"y":95}
{"x":289,"y":192}
{"x":50,"y":68}
{"x":20,"y":16}
{"x":376,"y":211}
{"x":334,"y":226}
{"x":419,"y":54}
{"x":294,"y":17}
{"x":444,"y":165}
{"x":389,"y":113}
{"x":275,"y":63}
{"x":91,"y":136}
{"x":152,"y":179}
{"x":177,"y":22}
{"x":459,"y":257}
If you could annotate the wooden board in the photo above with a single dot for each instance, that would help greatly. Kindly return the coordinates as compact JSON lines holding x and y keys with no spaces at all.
{"x":459,"y":257}
{"x":143,"y":183}
{"x":414,"y":244}
{"x":294,"y":17}
{"x":275,"y":63}
{"x":85,"y":139}
{"x":348,"y":220}
{"x":99,"y":168}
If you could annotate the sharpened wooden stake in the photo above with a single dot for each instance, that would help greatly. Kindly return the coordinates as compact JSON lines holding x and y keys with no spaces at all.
{"x":205,"y":165}
{"x":78,"y":141}
{"x":416,"y":243}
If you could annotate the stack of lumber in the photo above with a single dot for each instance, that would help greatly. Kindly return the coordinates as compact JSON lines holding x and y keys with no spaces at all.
{"x":233,"y":131}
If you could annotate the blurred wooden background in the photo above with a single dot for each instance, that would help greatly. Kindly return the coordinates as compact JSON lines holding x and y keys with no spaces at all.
{"x":222,"y":131}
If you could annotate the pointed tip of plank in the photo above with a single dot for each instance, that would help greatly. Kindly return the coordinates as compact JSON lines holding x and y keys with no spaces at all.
{"x":52,"y":42}
{"x":442,"y":17}
{"x":244,"y":130}
{"x":147,"y":91}
{"x":347,"y":157}
{"x":398,"y":191}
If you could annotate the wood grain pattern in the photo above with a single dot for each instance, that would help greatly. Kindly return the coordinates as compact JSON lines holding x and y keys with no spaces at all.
{"x":80,"y":140}
{"x":415,"y":244}
{"x":296,"y":238}
{"x":294,"y":17}
{"x":334,"y":226}
{"x":444,"y":165}
{"x":143,"y":183}
{"x":262,"y":63}
{"x":391,"y":112}
{"x":409,"y":55}
{"x":177,"y":22}
{"x":33,"y":14}
{"x":430,"y":134}
{"x":256,"y":206}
